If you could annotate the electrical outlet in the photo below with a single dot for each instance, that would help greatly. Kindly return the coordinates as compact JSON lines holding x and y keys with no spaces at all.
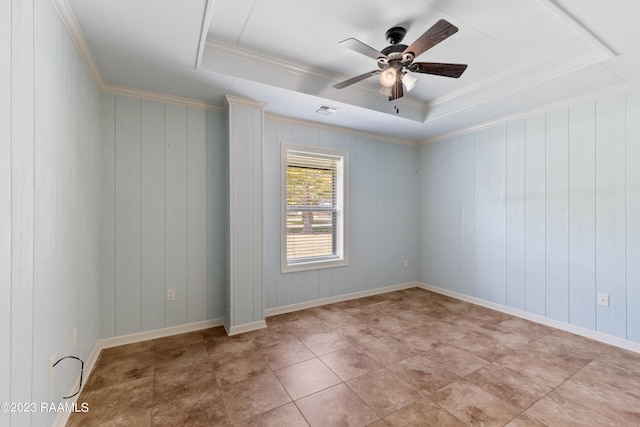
{"x":53,"y":359}
{"x":406,"y":263}
{"x":171,"y":294}
{"x":74,"y":337}
{"x":603,"y":299}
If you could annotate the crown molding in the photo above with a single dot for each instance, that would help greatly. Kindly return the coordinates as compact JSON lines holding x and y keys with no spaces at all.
{"x":345,"y":130}
{"x":538,"y":110}
{"x":236,"y":100}
{"x":73,"y":28}
{"x":160,"y":97}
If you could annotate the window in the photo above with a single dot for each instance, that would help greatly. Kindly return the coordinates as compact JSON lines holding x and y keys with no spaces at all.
{"x":314,"y":217}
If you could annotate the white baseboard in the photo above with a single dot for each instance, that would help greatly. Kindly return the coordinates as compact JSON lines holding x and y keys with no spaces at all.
{"x":159,"y":333}
{"x":339,"y":298}
{"x":245,"y":327}
{"x":63,"y":416}
{"x":578,"y":330}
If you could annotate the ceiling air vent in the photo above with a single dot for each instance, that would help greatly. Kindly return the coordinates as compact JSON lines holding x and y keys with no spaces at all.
{"x":326,"y":110}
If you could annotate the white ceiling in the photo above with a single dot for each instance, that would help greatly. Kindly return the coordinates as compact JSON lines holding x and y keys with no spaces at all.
{"x":522,"y":55}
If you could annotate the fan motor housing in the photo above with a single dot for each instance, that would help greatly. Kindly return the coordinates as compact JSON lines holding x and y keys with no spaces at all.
{"x":395,"y":35}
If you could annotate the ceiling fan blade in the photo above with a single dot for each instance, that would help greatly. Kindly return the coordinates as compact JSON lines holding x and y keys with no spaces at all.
{"x":440,"y":31}
{"x":356,"y":79}
{"x":439,"y":69}
{"x":396,"y":91}
{"x":358,"y":46}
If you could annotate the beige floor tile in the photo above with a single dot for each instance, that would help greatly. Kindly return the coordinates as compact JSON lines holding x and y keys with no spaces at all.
{"x":325,"y":342}
{"x":447,"y":362}
{"x":578,"y":345}
{"x":199,"y":380}
{"x":386,"y":350}
{"x":458,"y":361}
{"x":287,"y":415}
{"x":285,"y":353}
{"x":115,"y":369}
{"x":555,"y":410}
{"x":422,"y":413}
{"x":336,"y":406}
{"x":423,"y":374}
{"x":419,"y":340}
{"x":524,"y":420}
{"x":359,"y":331}
{"x":116,"y":404}
{"x":474,"y":405}
{"x":220,"y":347}
{"x":198,"y":409}
{"x":253,"y":396}
{"x":305,"y":378}
{"x":606,"y":392}
{"x":233,"y":368}
{"x":513,"y":386}
{"x":383,"y":391}
{"x":482,"y":346}
{"x":350,"y":363}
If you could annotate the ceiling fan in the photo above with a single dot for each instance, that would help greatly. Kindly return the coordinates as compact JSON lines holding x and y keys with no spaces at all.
{"x":396,"y":60}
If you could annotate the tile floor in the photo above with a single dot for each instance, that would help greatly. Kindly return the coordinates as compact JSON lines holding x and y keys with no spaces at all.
{"x":406,"y":358}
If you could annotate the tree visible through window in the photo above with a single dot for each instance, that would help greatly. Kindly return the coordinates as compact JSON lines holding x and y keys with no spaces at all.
{"x":314,"y":217}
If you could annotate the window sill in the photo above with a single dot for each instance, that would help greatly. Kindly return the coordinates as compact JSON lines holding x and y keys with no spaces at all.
{"x":313,"y":265}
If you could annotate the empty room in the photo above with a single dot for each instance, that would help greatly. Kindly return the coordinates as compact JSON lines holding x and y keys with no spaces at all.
{"x":327,"y":213}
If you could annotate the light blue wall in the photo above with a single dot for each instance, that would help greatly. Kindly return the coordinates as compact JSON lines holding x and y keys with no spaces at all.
{"x":164,"y":215}
{"x":540,"y":214}
{"x":382,"y":216}
{"x":49,"y":208}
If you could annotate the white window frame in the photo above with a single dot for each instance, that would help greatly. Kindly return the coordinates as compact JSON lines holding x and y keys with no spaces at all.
{"x":341,"y":227}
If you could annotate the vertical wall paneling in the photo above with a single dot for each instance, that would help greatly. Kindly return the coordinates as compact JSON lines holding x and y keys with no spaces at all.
{"x":535,"y":215}
{"x":611,"y":212}
{"x":349,"y":144}
{"x":428,"y":228}
{"x":107,"y":217}
{"x":127,"y":212}
{"x":176,"y":213}
{"x":257,"y":126}
{"x":366,"y":220}
{"x":382,"y":227}
{"x":283,"y":282}
{"x":218,"y":218}
{"x":5,"y":202}
{"x":51,"y":182}
{"x":498,"y":215}
{"x":582,"y":221}
{"x":468,"y":208}
{"x":455,"y":215}
{"x":152,"y":208}
{"x":22,"y":203}
{"x":441,"y":210}
{"x":49,"y":224}
{"x":246,"y":131}
{"x":633,"y":215}
{"x":271,"y":191}
{"x":197,"y":215}
{"x":515,"y":176}
{"x":483,"y":215}
{"x":557,"y":215}
{"x":564,"y":187}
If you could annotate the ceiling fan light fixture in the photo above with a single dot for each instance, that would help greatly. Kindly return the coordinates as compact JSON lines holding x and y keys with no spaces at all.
{"x":409,"y":81}
{"x":388,"y":77}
